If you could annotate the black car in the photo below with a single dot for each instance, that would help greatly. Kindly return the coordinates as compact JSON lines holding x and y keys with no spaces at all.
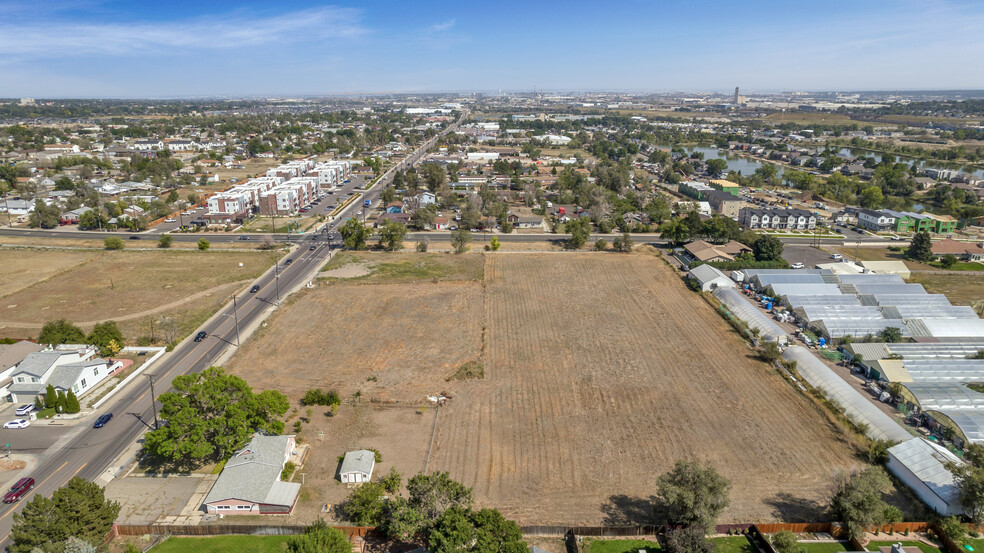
{"x":312,"y":248}
{"x":134,"y":238}
{"x":101,"y":421}
{"x":288,"y":262}
{"x":254,"y":289}
{"x":200,"y":336}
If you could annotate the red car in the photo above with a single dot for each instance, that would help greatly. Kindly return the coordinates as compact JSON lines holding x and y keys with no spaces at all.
{"x":19,"y":490}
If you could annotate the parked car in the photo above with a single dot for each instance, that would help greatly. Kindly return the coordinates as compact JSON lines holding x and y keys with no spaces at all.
{"x":169,"y":220}
{"x":102,"y":420}
{"x":18,"y":490}
{"x":837,"y":256}
{"x":797,"y":266}
{"x":17,"y":423}
{"x":200,"y":336}
{"x":24,"y":410}
{"x":254,"y":289}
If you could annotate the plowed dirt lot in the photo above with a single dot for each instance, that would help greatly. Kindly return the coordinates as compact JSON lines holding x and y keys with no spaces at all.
{"x":601,"y":370}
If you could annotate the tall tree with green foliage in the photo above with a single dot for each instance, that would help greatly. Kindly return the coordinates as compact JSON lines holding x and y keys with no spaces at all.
{"x":210,"y":415}
{"x":892,"y":334}
{"x":365,"y":506}
{"x":355,"y":234}
{"x":460,"y":239}
{"x":579,"y":230}
{"x":44,"y":216}
{"x":78,"y":509}
{"x":72,"y":403}
{"x":969,"y":477}
{"x":948,"y":261}
{"x":319,"y":538}
{"x":768,"y":248}
{"x":921,"y":248}
{"x":50,"y":397}
{"x":61,"y":332}
{"x":391,"y":236}
{"x":107,"y":337}
{"x":691,"y":495}
{"x":691,"y":539}
{"x":857,"y":500}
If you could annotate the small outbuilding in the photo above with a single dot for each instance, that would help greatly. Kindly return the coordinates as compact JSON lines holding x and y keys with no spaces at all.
{"x":357,"y":466}
{"x":710,"y":278}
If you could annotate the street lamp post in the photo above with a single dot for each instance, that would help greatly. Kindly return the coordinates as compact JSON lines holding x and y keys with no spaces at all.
{"x":153,"y":399}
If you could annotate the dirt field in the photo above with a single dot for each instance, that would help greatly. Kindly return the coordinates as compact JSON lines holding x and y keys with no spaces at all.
{"x":126,"y":286}
{"x":960,"y":289}
{"x":601,"y":370}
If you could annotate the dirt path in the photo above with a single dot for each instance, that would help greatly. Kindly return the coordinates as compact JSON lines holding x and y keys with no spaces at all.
{"x":131,"y":316}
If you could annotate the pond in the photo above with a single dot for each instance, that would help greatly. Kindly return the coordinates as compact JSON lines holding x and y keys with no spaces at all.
{"x":745,"y":166}
{"x":921,"y":164}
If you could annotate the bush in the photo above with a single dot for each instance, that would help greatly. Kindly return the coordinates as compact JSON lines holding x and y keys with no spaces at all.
{"x":203,"y":245}
{"x":113,"y":243}
{"x":321,"y":397}
{"x":379,"y":456}
{"x":601,"y":245}
{"x":422,"y":246}
{"x":288,"y":471}
{"x":165,"y":241}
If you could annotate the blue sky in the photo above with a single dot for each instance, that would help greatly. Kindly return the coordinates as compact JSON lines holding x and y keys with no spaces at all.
{"x":176,"y":48}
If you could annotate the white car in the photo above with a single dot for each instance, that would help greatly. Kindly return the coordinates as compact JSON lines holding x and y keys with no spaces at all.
{"x":24,"y":410}
{"x":797,"y":266}
{"x":837,"y":256}
{"x":169,"y":220}
{"x":17,"y":423}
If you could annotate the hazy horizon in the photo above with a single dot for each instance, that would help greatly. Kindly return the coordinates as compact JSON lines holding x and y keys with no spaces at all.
{"x":112,"y":49}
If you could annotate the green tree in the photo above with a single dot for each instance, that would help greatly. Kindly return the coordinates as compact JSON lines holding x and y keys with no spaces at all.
{"x":579,"y":230}
{"x":786,"y":542}
{"x":454,"y":532}
{"x":391,"y":236}
{"x":460,"y":239}
{"x":770,"y":352}
{"x":388,"y":194}
{"x":165,"y":241}
{"x":173,"y":197}
{"x":72,"y":403}
{"x":494,"y":244}
{"x":601,"y":245}
{"x":103,"y":334}
{"x":921,"y":248}
{"x":969,"y":478}
{"x":948,"y":261}
{"x":691,"y":539}
{"x":430,"y":496}
{"x":892,"y":334}
{"x":392,"y":481}
{"x":691,"y":494}
{"x":857,"y":500}
{"x":319,"y":538}
{"x":622,"y":243}
{"x":61,"y":331}
{"x":61,"y":402}
{"x":113,"y":243}
{"x":203,"y":244}
{"x":434,"y":176}
{"x":355,"y":234}
{"x":872,"y":197}
{"x":768,"y":248}
{"x":365,"y":506}
{"x":716,"y":166}
{"x":210,"y":415}
{"x":78,"y":509}
{"x":50,"y":397}
{"x":496,"y":534}
{"x":44,"y":216}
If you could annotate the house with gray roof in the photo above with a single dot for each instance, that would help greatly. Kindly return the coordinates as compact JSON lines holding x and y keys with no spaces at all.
{"x":357,"y":466}
{"x":65,"y":369}
{"x":10,"y":356}
{"x":250,"y":481}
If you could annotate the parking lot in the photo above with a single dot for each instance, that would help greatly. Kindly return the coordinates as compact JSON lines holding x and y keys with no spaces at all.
{"x":809,"y":256}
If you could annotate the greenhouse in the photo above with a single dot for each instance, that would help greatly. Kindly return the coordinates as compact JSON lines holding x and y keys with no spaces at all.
{"x":857,"y":328}
{"x":929,"y":312}
{"x":904,"y":299}
{"x":869,"y":278}
{"x":935,"y":396}
{"x":877,"y":289}
{"x":953,"y":328}
{"x":967,"y":425}
{"x":805,"y":289}
{"x":811,"y":313}
{"x":856,"y":406}
{"x":795,"y":301}
{"x":945,"y":370}
{"x":750,"y":315}
{"x":764,"y":281}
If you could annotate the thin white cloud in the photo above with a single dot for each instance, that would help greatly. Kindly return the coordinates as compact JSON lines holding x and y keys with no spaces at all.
{"x":63,"y":39}
{"x":439,"y":27}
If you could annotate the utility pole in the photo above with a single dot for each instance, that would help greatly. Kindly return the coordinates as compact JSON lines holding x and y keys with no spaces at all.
{"x":278,"y":285}
{"x":153,"y":399}
{"x":235,"y":311}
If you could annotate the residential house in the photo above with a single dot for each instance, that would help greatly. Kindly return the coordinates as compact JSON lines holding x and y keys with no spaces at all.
{"x":877,"y":221}
{"x":762,"y":218}
{"x":147,"y":145}
{"x":521,"y":222}
{"x":724,"y":203}
{"x":426,"y":198}
{"x":357,"y":467}
{"x":16,"y":208}
{"x":250,"y":481}
{"x":402,"y":218}
{"x":10,"y":356}
{"x":440,"y":223}
{"x":394,"y":207}
{"x":699,"y":250}
{"x":966,"y":251}
{"x":36,"y":370}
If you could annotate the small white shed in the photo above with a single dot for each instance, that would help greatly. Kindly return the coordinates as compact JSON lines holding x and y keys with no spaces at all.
{"x":710,"y":278}
{"x":921,"y":464}
{"x":357,"y":466}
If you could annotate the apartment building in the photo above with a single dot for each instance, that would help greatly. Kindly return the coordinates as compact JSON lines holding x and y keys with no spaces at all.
{"x":762,"y":218}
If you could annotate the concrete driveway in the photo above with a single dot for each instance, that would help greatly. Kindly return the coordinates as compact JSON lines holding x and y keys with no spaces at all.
{"x":144,"y":499}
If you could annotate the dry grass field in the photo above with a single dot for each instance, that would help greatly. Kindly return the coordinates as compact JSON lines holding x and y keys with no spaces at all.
{"x":601,"y":370}
{"x":127,"y":286}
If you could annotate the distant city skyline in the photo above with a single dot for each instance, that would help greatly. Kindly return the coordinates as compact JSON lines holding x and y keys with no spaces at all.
{"x":121,"y":49}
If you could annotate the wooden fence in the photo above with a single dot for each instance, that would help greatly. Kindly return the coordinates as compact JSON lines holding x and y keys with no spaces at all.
{"x":227,"y":529}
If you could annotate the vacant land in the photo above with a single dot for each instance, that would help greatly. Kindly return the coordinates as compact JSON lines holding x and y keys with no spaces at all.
{"x":130,"y":287}
{"x":960,"y":289}
{"x":601,"y":370}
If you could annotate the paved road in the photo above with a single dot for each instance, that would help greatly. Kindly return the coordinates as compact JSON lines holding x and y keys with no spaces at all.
{"x":87,"y":452}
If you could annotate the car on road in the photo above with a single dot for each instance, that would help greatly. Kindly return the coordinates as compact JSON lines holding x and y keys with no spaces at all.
{"x":24,"y":410}
{"x":312,"y":248}
{"x":18,"y":490}
{"x":254,"y":289}
{"x":288,"y":262}
{"x":244,"y":237}
{"x":200,"y":336}
{"x":169,"y":220}
{"x":837,"y":256}
{"x":134,"y":238}
{"x":797,"y":266}
{"x":17,"y":423}
{"x":102,"y":420}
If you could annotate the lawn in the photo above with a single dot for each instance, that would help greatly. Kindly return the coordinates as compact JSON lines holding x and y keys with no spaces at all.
{"x":961,"y":266}
{"x":224,"y":544}
{"x":977,"y":544}
{"x":625,"y":546}
{"x":736,"y":544}
{"x":924,"y":547}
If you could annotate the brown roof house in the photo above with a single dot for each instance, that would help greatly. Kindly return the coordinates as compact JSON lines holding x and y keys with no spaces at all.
{"x":967,"y":251}
{"x":700,"y":250}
